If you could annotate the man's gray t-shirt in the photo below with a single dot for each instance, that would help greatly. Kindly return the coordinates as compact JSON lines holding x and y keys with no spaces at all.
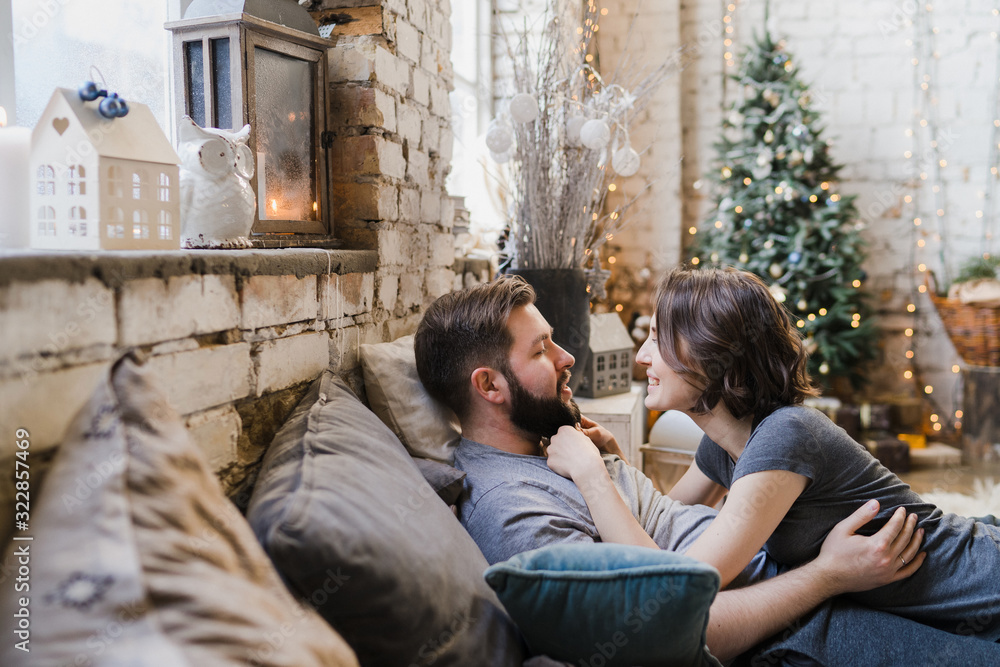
{"x":514,"y":503}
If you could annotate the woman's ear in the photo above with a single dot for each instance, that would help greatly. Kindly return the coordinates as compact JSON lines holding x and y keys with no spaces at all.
{"x":489,"y":384}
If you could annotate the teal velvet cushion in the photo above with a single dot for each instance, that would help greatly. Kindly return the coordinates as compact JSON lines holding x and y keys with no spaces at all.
{"x":609,"y":604}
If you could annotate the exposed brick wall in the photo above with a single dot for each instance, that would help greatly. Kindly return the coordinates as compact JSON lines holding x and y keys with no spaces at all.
{"x":390,"y":76}
{"x":231,"y":335}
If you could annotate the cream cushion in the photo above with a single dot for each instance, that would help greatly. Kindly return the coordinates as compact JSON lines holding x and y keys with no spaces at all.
{"x":426,"y":427}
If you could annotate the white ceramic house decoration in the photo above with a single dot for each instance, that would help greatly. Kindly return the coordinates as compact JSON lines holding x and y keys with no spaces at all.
{"x":102,"y":183}
{"x":217,"y":200}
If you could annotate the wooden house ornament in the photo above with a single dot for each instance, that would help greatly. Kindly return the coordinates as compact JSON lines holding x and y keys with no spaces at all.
{"x":102,"y":183}
{"x":609,"y":369}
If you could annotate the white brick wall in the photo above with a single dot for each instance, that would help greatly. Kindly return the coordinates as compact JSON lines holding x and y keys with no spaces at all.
{"x":54,"y":317}
{"x":855,"y":57}
{"x":271,"y":300}
{"x":206,"y":377}
{"x":153,"y":310}
{"x":284,"y":362}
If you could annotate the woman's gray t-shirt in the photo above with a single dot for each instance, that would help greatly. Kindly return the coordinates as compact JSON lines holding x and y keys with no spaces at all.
{"x":956,"y":589}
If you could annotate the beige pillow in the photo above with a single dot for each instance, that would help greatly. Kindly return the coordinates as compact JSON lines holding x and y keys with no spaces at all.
{"x":426,"y":427}
{"x":138,"y":558}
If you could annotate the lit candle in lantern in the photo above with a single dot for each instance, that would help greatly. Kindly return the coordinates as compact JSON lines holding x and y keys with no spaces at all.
{"x":15,"y":146}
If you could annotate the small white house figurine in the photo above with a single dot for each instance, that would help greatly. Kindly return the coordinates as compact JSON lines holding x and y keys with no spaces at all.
{"x":217,"y":200}
{"x":609,"y":369}
{"x":104,"y":176}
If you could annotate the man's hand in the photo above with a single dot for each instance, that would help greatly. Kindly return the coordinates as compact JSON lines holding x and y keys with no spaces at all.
{"x":573,"y":455}
{"x":853,"y":562}
{"x":601,"y":437}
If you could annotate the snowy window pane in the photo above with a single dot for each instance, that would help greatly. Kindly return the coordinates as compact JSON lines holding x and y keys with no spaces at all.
{"x":56,"y":43}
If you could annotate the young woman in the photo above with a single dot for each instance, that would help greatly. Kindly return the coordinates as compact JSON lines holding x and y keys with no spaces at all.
{"x":724,"y":351}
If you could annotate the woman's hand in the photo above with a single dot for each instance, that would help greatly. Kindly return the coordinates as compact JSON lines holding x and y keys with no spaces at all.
{"x":859,"y":563}
{"x":573,"y":454}
{"x":601,"y":437}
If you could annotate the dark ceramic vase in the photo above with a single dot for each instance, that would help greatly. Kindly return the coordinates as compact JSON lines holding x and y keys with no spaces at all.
{"x":562,"y":298}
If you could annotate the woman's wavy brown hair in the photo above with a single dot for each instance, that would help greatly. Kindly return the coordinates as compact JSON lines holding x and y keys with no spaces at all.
{"x":724,"y":333}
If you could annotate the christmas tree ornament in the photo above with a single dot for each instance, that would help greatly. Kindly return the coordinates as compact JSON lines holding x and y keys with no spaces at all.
{"x":779,"y":293}
{"x":802,"y":305}
{"x":499,"y":138}
{"x":523,"y":108}
{"x":824,"y":368}
{"x":775,"y":270}
{"x":743,"y":258}
{"x":573,"y":126}
{"x":500,"y":158}
{"x":768,"y":137}
{"x":625,"y":161}
{"x":795,"y":257}
{"x":595,"y":134}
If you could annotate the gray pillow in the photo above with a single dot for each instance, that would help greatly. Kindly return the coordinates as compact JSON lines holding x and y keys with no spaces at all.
{"x":446,"y":480}
{"x":340,"y":507}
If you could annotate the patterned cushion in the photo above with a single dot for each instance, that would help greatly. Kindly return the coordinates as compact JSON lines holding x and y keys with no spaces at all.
{"x":138,"y":558}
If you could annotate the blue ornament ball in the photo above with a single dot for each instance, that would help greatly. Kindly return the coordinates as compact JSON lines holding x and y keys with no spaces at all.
{"x":88,"y":91}
{"x":795,"y":257}
{"x":748,"y":223}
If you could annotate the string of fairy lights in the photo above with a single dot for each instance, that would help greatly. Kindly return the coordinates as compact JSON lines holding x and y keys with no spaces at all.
{"x":928,"y":167}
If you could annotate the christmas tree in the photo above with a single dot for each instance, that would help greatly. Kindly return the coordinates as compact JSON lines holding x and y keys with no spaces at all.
{"x":779,"y":215}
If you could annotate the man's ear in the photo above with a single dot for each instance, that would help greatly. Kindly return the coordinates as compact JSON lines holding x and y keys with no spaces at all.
{"x":489,"y":384}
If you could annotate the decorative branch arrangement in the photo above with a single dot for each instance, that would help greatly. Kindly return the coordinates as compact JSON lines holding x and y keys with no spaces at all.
{"x":557,"y":135}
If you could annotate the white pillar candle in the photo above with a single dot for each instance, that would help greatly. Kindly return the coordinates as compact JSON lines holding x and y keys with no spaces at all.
{"x":15,"y":145}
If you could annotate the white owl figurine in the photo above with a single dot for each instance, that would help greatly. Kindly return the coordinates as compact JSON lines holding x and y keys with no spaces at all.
{"x":217,"y":201}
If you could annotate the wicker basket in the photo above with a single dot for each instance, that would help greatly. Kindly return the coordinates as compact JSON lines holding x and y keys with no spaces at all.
{"x":974,"y":330}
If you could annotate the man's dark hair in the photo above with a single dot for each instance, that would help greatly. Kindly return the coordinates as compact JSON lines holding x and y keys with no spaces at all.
{"x":464,"y":330}
{"x":723,"y":332}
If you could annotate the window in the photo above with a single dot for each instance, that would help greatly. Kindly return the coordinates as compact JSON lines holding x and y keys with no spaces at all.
{"x":56,"y":43}
{"x":600,"y":362}
{"x":626,"y":359}
{"x":116,"y":181}
{"x":165,"y":227}
{"x":116,"y":216}
{"x":164,"y":190}
{"x":74,"y":180}
{"x":613,"y":362}
{"x":140,"y":224}
{"x":46,"y":221}
{"x":140,"y":184}
{"x":46,"y":180}
{"x":472,"y":110}
{"x":77,"y":214}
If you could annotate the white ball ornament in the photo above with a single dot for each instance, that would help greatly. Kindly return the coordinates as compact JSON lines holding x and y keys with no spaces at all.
{"x":500,"y":158}
{"x":573,"y":127}
{"x":625,"y":161}
{"x":499,"y":138}
{"x":524,"y":108}
{"x":595,"y":134}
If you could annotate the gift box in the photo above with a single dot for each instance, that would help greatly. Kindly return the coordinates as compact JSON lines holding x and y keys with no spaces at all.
{"x":891,"y":452}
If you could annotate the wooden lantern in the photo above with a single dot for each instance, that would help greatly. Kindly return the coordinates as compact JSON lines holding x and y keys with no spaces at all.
{"x":262,"y":62}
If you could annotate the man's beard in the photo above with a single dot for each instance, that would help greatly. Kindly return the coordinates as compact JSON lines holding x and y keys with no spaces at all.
{"x":541,"y":416}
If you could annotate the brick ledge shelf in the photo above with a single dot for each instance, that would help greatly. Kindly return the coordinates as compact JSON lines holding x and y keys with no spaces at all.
{"x":114,"y":268}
